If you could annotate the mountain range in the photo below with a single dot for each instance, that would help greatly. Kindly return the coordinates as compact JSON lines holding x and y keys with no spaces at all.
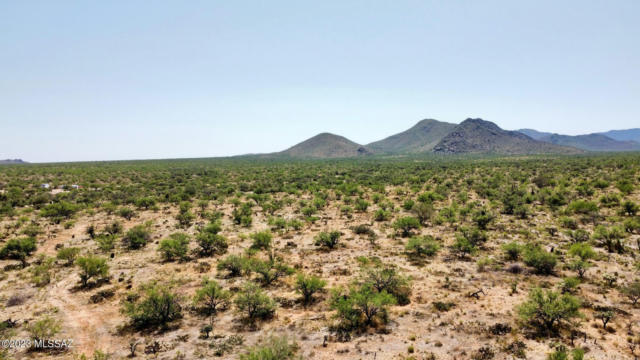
{"x":12,"y":161}
{"x":472,"y":136}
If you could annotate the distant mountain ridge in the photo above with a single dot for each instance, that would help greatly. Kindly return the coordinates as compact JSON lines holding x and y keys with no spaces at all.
{"x":623,"y":135}
{"x":472,"y":136}
{"x":12,"y":161}
{"x":590,"y":142}
{"x":421,"y":137}
{"x":326,"y":146}
{"x":477,"y":136}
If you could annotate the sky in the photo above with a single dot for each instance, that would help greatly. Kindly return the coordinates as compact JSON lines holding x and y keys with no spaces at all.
{"x":133,"y":79}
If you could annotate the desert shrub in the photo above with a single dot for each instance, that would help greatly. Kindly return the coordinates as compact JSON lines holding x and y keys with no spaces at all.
{"x":579,"y":235}
{"x":328,"y":240}
{"x":41,"y":272}
{"x":382,"y":215}
{"x":630,"y":208}
{"x":105,"y":242}
{"x":18,"y":249}
{"x":270,"y":270}
{"x":114,"y":228}
{"x":157,"y":307}
{"x":419,"y":246}
{"x":610,"y":237}
{"x":362,"y":205}
{"x":92,"y":267}
{"x":569,"y":285}
{"x":475,"y":236}
{"x":483,"y":217}
{"x":68,"y":255}
{"x":126,"y":212}
{"x":583,"y":251}
{"x":423,"y":211}
{"x":242,"y":215}
{"x":568,"y":222}
{"x":548,"y":310}
{"x":59,"y":211}
{"x":632,"y":291}
{"x":462,"y":247}
{"x":632,"y":226}
{"x":185,"y":217}
{"x":174,"y":247}
{"x":44,"y":329}
{"x":210,"y":242}
{"x":542,"y":261}
{"x":363,"y":229}
{"x":211,"y":297}
{"x":625,"y":186}
{"x":137,"y":237}
{"x":145,"y":202}
{"x":262,"y":240}
{"x":582,"y":207}
{"x":408,"y":204}
{"x":405,"y":225}
{"x":234,"y":265}
{"x":610,"y":200}
{"x":275,"y":348}
{"x":307,"y":285}
{"x":386,"y":278}
{"x":254,"y":303}
{"x":512,"y":250}
{"x":361,"y":307}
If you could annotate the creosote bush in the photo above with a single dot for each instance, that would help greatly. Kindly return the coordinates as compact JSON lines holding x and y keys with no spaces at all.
{"x":253,"y":303}
{"x":548,"y":310}
{"x":175,"y":247}
{"x":92,"y":267}
{"x":328,"y":240}
{"x":307,"y":285}
{"x":157,"y":307}
{"x":137,"y":237}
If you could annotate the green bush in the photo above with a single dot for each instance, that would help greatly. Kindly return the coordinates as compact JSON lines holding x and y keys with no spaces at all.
{"x":137,"y":237}
{"x":542,"y":261}
{"x":483,"y":217}
{"x":512,"y":250}
{"x":157,"y":307}
{"x":68,"y":255}
{"x":307,"y":285}
{"x":92,"y":267}
{"x":270,"y":270}
{"x":211,"y":297}
{"x":423,"y":211}
{"x":234,"y":265}
{"x":59,"y":211}
{"x":18,"y":249}
{"x":419,"y":246}
{"x":174,"y":247}
{"x":254,"y":303}
{"x":610,"y":237}
{"x":262,"y":240}
{"x":327,"y":240}
{"x":583,"y":207}
{"x":548,"y":310}
{"x":386,"y":278}
{"x":405,"y":225}
{"x":105,"y":242}
{"x":362,"y":307}
{"x":44,"y":329}
{"x":210,"y":242}
{"x":276,"y":348}
{"x":382,"y":215}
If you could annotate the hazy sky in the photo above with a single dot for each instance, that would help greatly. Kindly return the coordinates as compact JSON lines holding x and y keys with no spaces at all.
{"x":98,"y":80}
